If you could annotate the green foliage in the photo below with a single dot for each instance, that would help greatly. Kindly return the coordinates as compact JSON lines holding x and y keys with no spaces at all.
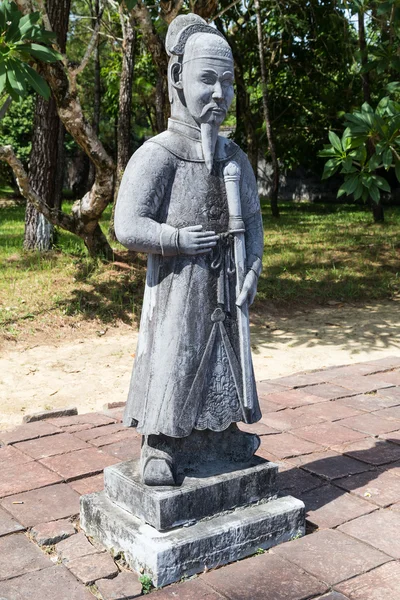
{"x":22,"y":41}
{"x":147,"y":584}
{"x":370,"y":142}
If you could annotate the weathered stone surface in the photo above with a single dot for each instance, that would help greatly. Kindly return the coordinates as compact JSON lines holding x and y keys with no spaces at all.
{"x":293,"y":398}
{"x":329,"y":391}
{"x":125,"y":585}
{"x":268,"y":387}
{"x":290,"y":418}
{"x":371,"y":423}
{"x":333,"y":596}
{"x":379,"y":529}
{"x":125,"y":435}
{"x":49,"y":414}
{"x":363,"y":384}
{"x":79,"y":464}
{"x":93,"y":419}
{"x":88,"y":485}
{"x":123,"y":451}
{"x":286,"y":445}
{"x":387,"y":363}
{"x":329,"y":411}
{"x":259,"y":428}
{"x":390,"y":413}
{"x":203,"y":493}
{"x":380,"y":487}
{"x":75,"y":547}
{"x":388,"y":376}
{"x":328,"y":507}
{"x":95,"y":432}
{"x":382,"y":583}
{"x":265,"y":577}
{"x":294,"y":481}
{"x":168,"y":556}
{"x":331,"y":556}
{"x":90,"y":568}
{"x":47,"y":534}
{"x":18,"y":556}
{"x":329,"y":465}
{"x":55,"y":582}
{"x":30,"y":477}
{"x":371,"y":451}
{"x":8,"y":524}
{"x":370,"y":402}
{"x":43,"y":505}
{"x":29,"y":431}
{"x":51,"y":446}
{"x":329,"y":434}
{"x":10,"y":457}
{"x":188,"y":590}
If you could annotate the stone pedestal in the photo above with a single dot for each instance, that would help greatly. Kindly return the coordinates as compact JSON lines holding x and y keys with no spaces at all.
{"x":218,"y":514}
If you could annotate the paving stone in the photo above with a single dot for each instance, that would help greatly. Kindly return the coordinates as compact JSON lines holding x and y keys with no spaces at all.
{"x":48,"y":414}
{"x":389,"y":376}
{"x":188,"y":590}
{"x":268,"y":387}
{"x":370,"y":423}
{"x":293,"y":398}
{"x":389,"y":362}
{"x":371,"y":451}
{"x":52,"y":583}
{"x":258,"y":428}
{"x":381,"y":488}
{"x":393,"y":437}
{"x":328,"y":507}
{"x":290,"y":418}
{"x":330,"y":411}
{"x":126,"y":435}
{"x":95,"y":432}
{"x":362,"y":384}
{"x":300,"y":380}
{"x":285,"y":445}
{"x":329,"y":391}
{"x":117,"y":414}
{"x":43,"y":505}
{"x":80,"y":463}
{"x":77,"y":428}
{"x":29,"y":431}
{"x":389,"y":413}
{"x":264,"y":577}
{"x":94,"y":419}
{"x":333,"y":596}
{"x":353,"y":370}
{"x":329,"y":465}
{"x":75,"y":547}
{"x":18,"y":556}
{"x":294,"y":481}
{"x":123,"y":451}
{"x":90,"y":568}
{"x":47,"y":534}
{"x":125,"y":585}
{"x":51,"y":446}
{"x":88,"y":485}
{"x":331,"y":556}
{"x":30,"y":476}
{"x":329,"y":434}
{"x":392,"y":394}
{"x":379,"y":529}
{"x":382,"y":583}
{"x":8,"y":524}
{"x":267,"y":406}
{"x":368,"y":402}
{"x":10,"y":457}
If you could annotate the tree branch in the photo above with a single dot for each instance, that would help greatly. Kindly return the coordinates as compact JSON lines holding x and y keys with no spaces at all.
{"x":90,"y":48}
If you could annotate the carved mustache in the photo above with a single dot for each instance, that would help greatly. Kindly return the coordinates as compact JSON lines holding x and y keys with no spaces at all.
{"x":213,"y":106}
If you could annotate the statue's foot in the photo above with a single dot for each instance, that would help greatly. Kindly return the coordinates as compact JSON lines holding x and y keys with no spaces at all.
{"x":245,"y":444}
{"x":157,"y":464}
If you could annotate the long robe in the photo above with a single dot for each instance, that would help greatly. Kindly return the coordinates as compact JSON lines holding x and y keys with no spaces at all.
{"x":187,"y":370}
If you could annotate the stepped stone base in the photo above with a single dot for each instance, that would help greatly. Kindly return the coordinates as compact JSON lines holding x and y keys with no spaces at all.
{"x":207,"y":491}
{"x":168,"y":556}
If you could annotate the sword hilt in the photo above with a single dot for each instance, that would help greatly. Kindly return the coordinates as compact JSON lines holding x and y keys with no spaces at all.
{"x":232,"y":180}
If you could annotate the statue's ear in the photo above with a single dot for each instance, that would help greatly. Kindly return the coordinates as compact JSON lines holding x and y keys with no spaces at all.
{"x":175,"y":75}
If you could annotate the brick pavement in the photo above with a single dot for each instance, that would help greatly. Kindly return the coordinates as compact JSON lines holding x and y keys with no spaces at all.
{"x":336,"y":436}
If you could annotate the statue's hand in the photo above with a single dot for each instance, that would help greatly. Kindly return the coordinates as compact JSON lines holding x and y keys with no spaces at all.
{"x":249,"y":289}
{"x":193,"y":240}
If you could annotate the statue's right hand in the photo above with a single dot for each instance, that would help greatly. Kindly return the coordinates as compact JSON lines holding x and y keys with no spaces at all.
{"x":193,"y":240}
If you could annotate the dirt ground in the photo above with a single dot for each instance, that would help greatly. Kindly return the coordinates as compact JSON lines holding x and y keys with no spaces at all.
{"x":87,"y":367}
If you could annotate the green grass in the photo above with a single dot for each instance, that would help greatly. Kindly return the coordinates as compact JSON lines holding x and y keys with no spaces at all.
{"x":317,"y":253}
{"x":313,"y":254}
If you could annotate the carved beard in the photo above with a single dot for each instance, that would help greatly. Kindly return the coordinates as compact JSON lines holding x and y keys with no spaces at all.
{"x":209,"y":136}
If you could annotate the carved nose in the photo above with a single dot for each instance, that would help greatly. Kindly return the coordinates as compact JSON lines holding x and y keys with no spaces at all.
{"x":217,"y":93}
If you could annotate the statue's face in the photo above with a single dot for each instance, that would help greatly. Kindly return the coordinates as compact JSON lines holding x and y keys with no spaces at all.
{"x":208,"y":88}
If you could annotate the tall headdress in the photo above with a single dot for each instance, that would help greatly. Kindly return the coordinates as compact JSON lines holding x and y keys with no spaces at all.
{"x":180,"y":30}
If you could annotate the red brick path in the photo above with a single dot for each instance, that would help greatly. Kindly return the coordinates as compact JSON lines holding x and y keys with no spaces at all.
{"x":336,"y":436}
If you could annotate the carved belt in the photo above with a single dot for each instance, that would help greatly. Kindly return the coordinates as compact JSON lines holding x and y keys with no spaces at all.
{"x":223,"y":263}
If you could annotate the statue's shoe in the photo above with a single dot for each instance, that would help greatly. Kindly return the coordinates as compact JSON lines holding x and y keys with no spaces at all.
{"x":157,"y":465}
{"x":245,"y":445}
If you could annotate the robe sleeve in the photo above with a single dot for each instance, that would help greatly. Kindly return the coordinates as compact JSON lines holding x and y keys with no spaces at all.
{"x":144,"y":185}
{"x":251,"y":213}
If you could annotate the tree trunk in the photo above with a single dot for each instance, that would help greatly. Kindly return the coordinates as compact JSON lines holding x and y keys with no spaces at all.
{"x":97,"y":89}
{"x":45,"y":159}
{"x":364,"y":57}
{"x":125,"y":109}
{"x":377,"y":211}
{"x":267,"y":116}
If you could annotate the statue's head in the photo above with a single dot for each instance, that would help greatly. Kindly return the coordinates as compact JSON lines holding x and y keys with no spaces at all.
{"x":200,"y":77}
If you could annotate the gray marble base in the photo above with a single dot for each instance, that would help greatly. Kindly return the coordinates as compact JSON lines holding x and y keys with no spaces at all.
{"x":207,"y":491}
{"x":169,"y":556}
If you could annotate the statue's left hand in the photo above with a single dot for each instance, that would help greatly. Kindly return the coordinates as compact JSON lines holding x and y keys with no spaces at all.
{"x":249,"y":289}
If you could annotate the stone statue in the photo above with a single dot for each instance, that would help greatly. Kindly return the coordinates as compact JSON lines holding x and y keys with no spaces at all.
{"x":193,"y":378}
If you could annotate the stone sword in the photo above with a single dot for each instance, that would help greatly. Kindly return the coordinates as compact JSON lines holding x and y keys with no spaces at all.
{"x":237,"y":228}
